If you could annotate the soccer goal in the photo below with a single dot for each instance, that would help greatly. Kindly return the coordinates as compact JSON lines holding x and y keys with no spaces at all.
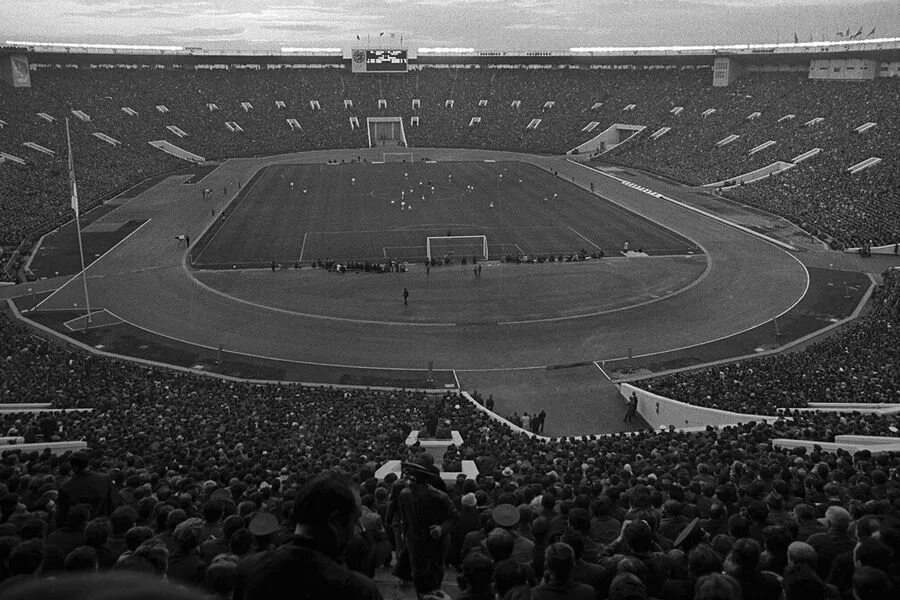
{"x":437,"y":247}
{"x":397,"y":157}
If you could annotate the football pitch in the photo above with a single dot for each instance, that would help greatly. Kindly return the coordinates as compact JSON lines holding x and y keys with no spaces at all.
{"x":375,"y":212}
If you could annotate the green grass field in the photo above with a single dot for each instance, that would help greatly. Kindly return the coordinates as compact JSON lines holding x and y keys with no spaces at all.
{"x":374,"y":212}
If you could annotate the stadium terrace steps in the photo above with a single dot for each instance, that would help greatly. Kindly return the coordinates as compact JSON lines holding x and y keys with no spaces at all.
{"x":55,"y":448}
{"x":294,"y":124}
{"x":762,"y":147}
{"x":46,"y":117}
{"x":660,"y":132}
{"x":109,"y":140}
{"x":12,"y":158}
{"x":233,"y":126}
{"x":177,"y":131}
{"x":726,"y":140}
{"x":39,"y":148}
{"x":863,"y":165}
{"x":129,"y":111}
{"x":81,"y":116}
{"x":761,"y":173}
{"x":875,"y":447}
{"x":808,"y":154}
{"x":609,"y":138}
{"x":590,"y":126}
{"x":787,"y":118}
{"x":814,"y":121}
{"x":864,"y":127}
{"x":177,"y":152}
{"x":533,"y":124}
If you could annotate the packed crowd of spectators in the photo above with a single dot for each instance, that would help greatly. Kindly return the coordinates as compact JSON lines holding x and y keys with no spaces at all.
{"x":203,"y":474}
{"x":819,"y":193}
{"x":860,"y":363}
{"x":855,"y":209}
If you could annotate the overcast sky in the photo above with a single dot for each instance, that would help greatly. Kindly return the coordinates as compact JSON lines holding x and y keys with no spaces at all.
{"x":479,"y":24}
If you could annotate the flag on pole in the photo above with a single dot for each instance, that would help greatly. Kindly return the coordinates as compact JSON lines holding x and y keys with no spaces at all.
{"x":796,"y":39}
{"x":72,"y":185}
{"x":871,"y":32}
{"x":840,"y":34}
{"x":858,"y":33}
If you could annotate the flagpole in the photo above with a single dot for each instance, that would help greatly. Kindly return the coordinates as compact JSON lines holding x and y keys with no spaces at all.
{"x":87,"y":302}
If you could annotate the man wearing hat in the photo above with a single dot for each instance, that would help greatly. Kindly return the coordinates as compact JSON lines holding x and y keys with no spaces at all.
{"x":507,"y":516}
{"x":326,"y":515}
{"x":427,"y":516}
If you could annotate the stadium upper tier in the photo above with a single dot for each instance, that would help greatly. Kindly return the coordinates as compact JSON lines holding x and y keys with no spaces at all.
{"x":243,"y":112}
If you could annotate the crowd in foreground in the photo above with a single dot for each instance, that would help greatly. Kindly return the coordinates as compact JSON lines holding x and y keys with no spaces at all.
{"x":194,"y":482}
{"x":222,"y":496}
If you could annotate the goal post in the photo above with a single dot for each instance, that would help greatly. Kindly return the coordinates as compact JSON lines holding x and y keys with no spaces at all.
{"x":397,"y":157}
{"x":457,"y":245}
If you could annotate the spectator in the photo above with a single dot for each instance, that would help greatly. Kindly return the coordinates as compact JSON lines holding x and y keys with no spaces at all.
{"x":325,"y":513}
{"x":559,"y":568}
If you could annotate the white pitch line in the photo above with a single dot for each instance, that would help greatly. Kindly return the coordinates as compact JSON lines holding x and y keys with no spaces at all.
{"x":91,"y":265}
{"x":222,"y":212}
{"x":302,"y":247}
{"x":586,"y":239}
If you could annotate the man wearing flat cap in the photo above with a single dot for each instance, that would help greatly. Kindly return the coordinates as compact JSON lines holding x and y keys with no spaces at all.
{"x":427,"y":516}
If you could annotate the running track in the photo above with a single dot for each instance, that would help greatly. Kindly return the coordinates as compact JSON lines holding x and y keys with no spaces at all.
{"x":144,"y":281}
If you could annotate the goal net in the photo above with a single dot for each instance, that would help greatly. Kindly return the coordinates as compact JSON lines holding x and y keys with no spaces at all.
{"x":459,"y":246}
{"x":397,"y":157}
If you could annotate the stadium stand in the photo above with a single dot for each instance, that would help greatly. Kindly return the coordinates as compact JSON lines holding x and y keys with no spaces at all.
{"x":212,"y":454}
{"x":858,"y":208}
{"x":819,"y":194}
{"x":860,"y":363}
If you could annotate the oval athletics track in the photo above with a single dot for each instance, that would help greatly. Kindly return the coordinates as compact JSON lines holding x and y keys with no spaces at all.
{"x":145,"y":282}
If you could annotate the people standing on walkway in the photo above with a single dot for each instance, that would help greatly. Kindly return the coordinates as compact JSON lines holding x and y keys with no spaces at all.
{"x":631,"y":410}
{"x":405,"y":297}
{"x":427,"y":518}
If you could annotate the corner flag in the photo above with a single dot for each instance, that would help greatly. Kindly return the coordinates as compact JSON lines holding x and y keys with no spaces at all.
{"x":72,"y":185}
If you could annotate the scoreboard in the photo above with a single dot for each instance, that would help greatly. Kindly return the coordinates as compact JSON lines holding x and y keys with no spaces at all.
{"x":379,"y":61}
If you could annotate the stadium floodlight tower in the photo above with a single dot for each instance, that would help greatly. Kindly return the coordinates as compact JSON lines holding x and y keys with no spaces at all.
{"x":458,"y":245}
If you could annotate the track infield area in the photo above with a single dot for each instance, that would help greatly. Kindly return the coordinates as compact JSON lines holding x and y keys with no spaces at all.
{"x":376,"y":212}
